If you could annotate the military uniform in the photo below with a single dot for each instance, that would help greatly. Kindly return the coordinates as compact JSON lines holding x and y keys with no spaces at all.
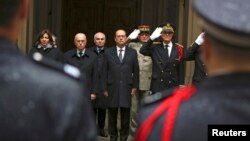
{"x":193,"y":53}
{"x":222,"y":99}
{"x":167,"y":71}
{"x":39,"y":102}
{"x":145,"y":72}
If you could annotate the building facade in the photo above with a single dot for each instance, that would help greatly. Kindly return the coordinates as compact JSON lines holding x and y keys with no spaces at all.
{"x":67,"y":17}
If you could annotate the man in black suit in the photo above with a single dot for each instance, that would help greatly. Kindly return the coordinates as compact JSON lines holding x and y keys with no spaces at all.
{"x":38,"y":100}
{"x":85,"y":60}
{"x":167,"y":59}
{"x":100,"y":103}
{"x":122,"y":80}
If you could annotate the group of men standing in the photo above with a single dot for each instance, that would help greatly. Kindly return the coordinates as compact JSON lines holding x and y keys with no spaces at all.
{"x":43,"y":100}
{"x":117,"y":78}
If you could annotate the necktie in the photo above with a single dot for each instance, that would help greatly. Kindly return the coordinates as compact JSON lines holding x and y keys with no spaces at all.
{"x":120,"y":55}
{"x":98,"y":50}
{"x":166,"y":50}
{"x":80,"y":54}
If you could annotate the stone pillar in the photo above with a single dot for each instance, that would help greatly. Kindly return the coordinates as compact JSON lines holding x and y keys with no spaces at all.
{"x":188,"y":31}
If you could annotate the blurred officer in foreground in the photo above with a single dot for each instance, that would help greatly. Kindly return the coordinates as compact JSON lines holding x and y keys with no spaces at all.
{"x":223,"y":98}
{"x":37,"y":103}
{"x":145,"y":65}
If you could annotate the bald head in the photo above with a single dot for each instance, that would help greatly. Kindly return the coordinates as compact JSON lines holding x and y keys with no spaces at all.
{"x":80,"y":41}
{"x":99,"y":39}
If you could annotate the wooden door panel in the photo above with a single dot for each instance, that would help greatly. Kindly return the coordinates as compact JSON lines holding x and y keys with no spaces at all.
{"x":81,"y":16}
{"x":91,"y":16}
{"x":120,"y":14}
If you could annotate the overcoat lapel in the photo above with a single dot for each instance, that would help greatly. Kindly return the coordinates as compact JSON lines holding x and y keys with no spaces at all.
{"x":115,"y":56}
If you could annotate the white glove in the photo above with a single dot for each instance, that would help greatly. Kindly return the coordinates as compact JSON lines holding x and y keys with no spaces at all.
{"x":200,"y":39}
{"x":156,"y":33}
{"x":134,"y":34}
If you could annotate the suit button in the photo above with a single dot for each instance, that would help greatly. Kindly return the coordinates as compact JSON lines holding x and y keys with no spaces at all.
{"x":169,"y":82}
{"x":170,"y":73}
{"x":161,"y":80}
{"x":162,"y":71}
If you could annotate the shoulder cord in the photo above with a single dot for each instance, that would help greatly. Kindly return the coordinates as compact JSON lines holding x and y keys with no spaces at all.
{"x":171,"y":105}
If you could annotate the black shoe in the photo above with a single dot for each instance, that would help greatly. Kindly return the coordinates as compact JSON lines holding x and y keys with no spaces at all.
{"x":102,"y":133}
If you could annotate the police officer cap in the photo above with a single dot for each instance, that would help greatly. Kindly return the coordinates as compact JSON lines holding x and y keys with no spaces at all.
{"x":144,"y":28}
{"x":225,"y":20}
{"x":168,"y":27}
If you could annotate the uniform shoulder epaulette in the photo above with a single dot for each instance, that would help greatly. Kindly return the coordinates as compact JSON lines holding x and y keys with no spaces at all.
{"x":157,"y":42}
{"x":157,"y":97}
{"x":180,"y":45}
{"x":66,"y":69}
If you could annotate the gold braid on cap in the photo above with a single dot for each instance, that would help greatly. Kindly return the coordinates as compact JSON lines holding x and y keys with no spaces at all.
{"x":144,"y":28}
{"x":168,"y":27}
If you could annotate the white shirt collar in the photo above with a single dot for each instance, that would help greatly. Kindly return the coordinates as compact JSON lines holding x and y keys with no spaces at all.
{"x":123,"y":48}
{"x":170,"y":44}
{"x":78,"y":51}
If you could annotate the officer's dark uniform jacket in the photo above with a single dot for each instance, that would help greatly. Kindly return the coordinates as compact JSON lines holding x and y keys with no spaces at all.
{"x":87,"y":65}
{"x":221,"y":99}
{"x":101,"y":100}
{"x":51,"y":52}
{"x":167,"y":71}
{"x":193,"y":53}
{"x":38,"y":103}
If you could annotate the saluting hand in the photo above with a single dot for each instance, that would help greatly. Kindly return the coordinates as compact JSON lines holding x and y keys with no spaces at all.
{"x":156,"y":33}
{"x":134,"y":34}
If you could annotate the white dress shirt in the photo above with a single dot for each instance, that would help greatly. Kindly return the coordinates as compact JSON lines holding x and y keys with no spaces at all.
{"x":123,"y":52}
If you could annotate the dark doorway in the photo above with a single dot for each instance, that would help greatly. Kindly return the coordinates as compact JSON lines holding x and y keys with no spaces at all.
{"x":91,"y":16}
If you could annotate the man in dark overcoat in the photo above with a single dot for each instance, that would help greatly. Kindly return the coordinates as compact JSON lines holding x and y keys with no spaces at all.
{"x":122,"y":81}
{"x":101,"y":101}
{"x":85,"y":60}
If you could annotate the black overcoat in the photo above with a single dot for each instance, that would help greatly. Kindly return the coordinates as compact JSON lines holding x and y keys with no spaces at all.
{"x":101,"y":101}
{"x":87,"y":66}
{"x":121,"y":77}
